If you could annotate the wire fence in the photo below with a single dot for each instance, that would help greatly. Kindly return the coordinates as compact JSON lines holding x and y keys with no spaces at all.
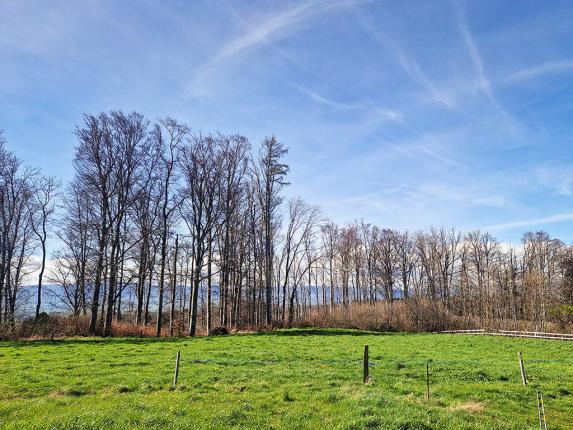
{"x":386,"y":361}
{"x":435,"y":372}
{"x":378,"y":362}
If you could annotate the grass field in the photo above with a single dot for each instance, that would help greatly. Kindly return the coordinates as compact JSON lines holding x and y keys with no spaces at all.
{"x":293,"y":379}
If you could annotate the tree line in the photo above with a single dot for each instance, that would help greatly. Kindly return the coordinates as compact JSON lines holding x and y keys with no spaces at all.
{"x":184,"y":231}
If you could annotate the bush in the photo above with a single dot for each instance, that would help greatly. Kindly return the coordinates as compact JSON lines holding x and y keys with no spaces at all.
{"x":45,"y":326}
{"x":562,"y":315}
{"x":218,"y":331}
{"x":124,"y":329}
{"x":42,"y":326}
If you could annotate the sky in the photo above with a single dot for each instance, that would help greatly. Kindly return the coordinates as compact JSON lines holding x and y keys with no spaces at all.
{"x":406,"y":114}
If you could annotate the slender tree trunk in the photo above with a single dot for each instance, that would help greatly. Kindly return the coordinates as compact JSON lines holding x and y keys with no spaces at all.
{"x":141,"y":276}
{"x":268,"y":261}
{"x":112,"y":287}
{"x":41,"y":274}
{"x":97,"y":285}
{"x":209,"y":281}
{"x":195,"y":298}
{"x":173,"y":288}
{"x":161,"y":276}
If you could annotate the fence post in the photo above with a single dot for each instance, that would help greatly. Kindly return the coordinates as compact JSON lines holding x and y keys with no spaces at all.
{"x":366,"y":369}
{"x":428,"y":381}
{"x":543,"y":411}
{"x":522,"y":369}
{"x":176,"y":368}
{"x":539,"y":412}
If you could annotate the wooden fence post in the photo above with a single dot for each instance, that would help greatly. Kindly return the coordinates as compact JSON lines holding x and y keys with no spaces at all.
{"x":176,"y":368}
{"x":366,"y":369}
{"x":428,"y":381}
{"x":522,"y":369}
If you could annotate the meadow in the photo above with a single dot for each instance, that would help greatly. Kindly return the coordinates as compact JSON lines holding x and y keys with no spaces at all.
{"x":286,"y":379}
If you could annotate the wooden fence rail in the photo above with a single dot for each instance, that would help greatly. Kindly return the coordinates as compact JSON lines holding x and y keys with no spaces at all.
{"x":513,"y":333}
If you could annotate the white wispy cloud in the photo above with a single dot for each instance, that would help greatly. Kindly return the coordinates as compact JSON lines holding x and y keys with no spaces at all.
{"x":408,"y":63}
{"x":255,"y":35}
{"x":264,"y":32}
{"x":316,"y":97}
{"x":260,"y":33}
{"x":388,"y":114}
{"x":565,"y":216}
{"x":425,"y":153}
{"x":483,"y":82}
{"x":532,"y":72}
{"x":467,"y":195}
{"x":553,"y":177}
{"x":439,"y":157}
{"x":415,"y":72}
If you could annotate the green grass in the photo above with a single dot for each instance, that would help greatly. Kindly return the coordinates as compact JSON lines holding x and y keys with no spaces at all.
{"x":293,"y":379}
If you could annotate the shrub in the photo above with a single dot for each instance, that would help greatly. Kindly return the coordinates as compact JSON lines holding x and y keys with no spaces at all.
{"x":218,"y":331}
{"x":562,"y":315}
{"x":45,"y":326}
{"x":412,"y":315}
{"x":125,"y":329}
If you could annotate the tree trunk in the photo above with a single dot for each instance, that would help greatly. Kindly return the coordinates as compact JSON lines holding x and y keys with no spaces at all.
{"x":41,"y":274}
{"x":173,"y":288}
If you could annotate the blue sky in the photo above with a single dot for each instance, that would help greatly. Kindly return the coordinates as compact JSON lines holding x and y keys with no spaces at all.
{"x":404,"y":113}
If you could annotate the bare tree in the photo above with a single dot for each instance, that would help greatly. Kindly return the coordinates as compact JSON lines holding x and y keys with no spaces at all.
{"x":200,"y":166}
{"x":330,"y":238}
{"x":76,"y":234}
{"x":94,"y":164}
{"x":122,"y":232}
{"x":303,"y":221}
{"x":269,"y":175}
{"x":16,"y":234}
{"x":41,"y":211}
{"x":235,"y":157}
{"x":169,"y":135}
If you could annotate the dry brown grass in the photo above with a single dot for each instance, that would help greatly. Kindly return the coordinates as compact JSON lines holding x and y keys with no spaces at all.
{"x":124,"y":329}
{"x":413,"y":315}
{"x":470,"y":406}
{"x":402,"y":315}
